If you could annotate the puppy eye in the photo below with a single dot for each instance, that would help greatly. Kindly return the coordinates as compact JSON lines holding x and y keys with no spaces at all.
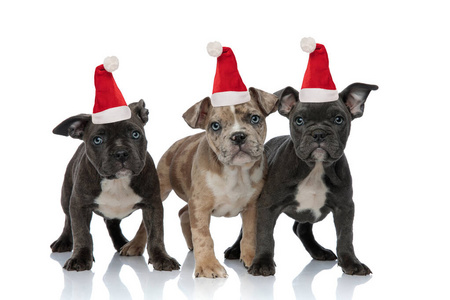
{"x":97,"y":140}
{"x":215,"y":126}
{"x":299,"y":121}
{"x":339,"y":120}
{"x":135,"y":134}
{"x":255,"y":119}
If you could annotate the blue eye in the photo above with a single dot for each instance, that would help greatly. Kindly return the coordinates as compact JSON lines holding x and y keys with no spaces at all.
{"x":135,"y":134}
{"x":299,"y":121}
{"x":339,"y":120}
{"x":215,"y":126}
{"x":97,"y":140}
{"x":255,"y":119}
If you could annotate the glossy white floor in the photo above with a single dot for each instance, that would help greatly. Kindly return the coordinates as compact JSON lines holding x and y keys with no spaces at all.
{"x":398,"y":151}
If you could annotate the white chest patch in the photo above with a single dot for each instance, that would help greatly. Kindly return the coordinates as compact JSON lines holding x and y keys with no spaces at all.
{"x":117,"y":199}
{"x":311,"y":192}
{"x":232,"y":190}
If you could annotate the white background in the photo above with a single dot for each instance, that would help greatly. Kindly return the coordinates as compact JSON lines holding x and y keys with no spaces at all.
{"x":398,"y":151}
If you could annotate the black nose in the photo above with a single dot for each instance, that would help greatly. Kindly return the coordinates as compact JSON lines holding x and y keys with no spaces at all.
{"x":121,"y":155}
{"x":319,"y":135}
{"x":238,"y":138}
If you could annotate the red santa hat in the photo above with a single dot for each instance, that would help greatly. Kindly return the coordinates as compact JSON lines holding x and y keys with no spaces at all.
{"x":318,"y":86}
{"x":228,"y":89}
{"x":110,"y":106}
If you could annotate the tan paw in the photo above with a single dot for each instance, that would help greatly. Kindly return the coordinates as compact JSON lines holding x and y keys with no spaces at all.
{"x":131,"y":249}
{"x":247,"y":258}
{"x":210,"y":270}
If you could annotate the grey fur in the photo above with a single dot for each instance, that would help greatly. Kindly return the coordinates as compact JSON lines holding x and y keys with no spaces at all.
{"x":89,"y":166}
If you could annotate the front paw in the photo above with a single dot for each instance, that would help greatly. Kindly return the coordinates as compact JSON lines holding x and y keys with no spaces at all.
{"x":80,"y":261}
{"x":164,"y":263}
{"x":210,"y":270}
{"x":352,"y":266}
{"x":262,"y":266}
{"x":247,"y":258}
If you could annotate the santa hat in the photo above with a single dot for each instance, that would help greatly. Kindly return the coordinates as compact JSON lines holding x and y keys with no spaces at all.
{"x":110,"y":106}
{"x":228,"y":89}
{"x":318,"y":86}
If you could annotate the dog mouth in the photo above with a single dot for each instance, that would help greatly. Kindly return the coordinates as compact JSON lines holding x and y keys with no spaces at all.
{"x":240,"y":156}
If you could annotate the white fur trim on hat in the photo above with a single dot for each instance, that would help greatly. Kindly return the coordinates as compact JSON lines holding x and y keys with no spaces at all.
{"x":111,"y":63}
{"x":214,"y":49}
{"x":111,"y":115}
{"x":318,"y":95}
{"x":229,"y":98}
{"x":308,"y":44}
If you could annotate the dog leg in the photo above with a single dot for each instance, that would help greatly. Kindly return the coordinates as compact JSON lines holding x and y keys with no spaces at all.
{"x":343,"y":221}
{"x":115,"y":232}
{"x":305,"y":234}
{"x":263,"y":263}
{"x":186,"y":226}
{"x":153,"y":221}
{"x":136,"y":246}
{"x":65,"y":242}
{"x":82,"y":256}
{"x":234,"y":252}
{"x":248,"y":242}
{"x":206,"y":263}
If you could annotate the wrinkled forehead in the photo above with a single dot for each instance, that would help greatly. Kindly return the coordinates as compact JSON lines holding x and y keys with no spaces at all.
{"x":234,"y":111}
{"x":320,"y":110}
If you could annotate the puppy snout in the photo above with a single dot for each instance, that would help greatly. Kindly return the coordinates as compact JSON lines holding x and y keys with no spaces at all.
{"x":238,"y":138}
{"x":319,"y":135}
{"x":121,"y":155}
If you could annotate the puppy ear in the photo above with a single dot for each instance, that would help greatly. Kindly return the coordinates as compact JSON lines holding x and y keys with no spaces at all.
{"x":267,"y":102}
{"x":196,"y":115}
{"x":138,"y":108}
{"x":73,"y":126}
{"x":288,"y":99}
{"x":354,"y":97}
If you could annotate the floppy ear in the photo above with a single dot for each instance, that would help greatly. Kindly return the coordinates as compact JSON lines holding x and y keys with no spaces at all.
{"x":196,"y":115}
{"x":138,"y":108}
{"x":73,"y":126}
{"x":267,"y":102}
{"x":288,"y":99}
{"x":354,"y":97}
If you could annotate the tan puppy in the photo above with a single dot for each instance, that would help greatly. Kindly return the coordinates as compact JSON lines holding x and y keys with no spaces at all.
{"x":219,"y":172}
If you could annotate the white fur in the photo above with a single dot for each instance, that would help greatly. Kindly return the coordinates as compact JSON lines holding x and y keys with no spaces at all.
{"x":311,"y":192}
{"x":117,"y":199}
{"x":232,"y":189}
{"x":236,"y":126}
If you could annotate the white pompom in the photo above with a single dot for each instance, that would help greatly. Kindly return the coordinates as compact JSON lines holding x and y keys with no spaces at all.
{"x":111,"y":63}
{"x":214,"y":49}
{"x":308,"y":44}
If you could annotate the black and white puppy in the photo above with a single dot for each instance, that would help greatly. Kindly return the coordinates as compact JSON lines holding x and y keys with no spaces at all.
{"x":309,"y":177}
{"x":111,"y":174}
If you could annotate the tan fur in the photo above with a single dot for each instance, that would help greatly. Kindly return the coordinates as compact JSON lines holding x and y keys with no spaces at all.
{"x":216,"y":177}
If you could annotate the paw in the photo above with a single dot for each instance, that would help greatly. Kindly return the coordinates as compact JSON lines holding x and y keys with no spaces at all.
{"x":164,"y":263}
{"x":131,"y":249}
{"x":62,"y":245}
{"x":80,"y":261}
{"x":353,"y":266}
{"x":264,"y":267}
{"x":247,"y":259}
{"x":233,"y":252}
{"x":323,"y":254}
{"x":210,"y":270}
